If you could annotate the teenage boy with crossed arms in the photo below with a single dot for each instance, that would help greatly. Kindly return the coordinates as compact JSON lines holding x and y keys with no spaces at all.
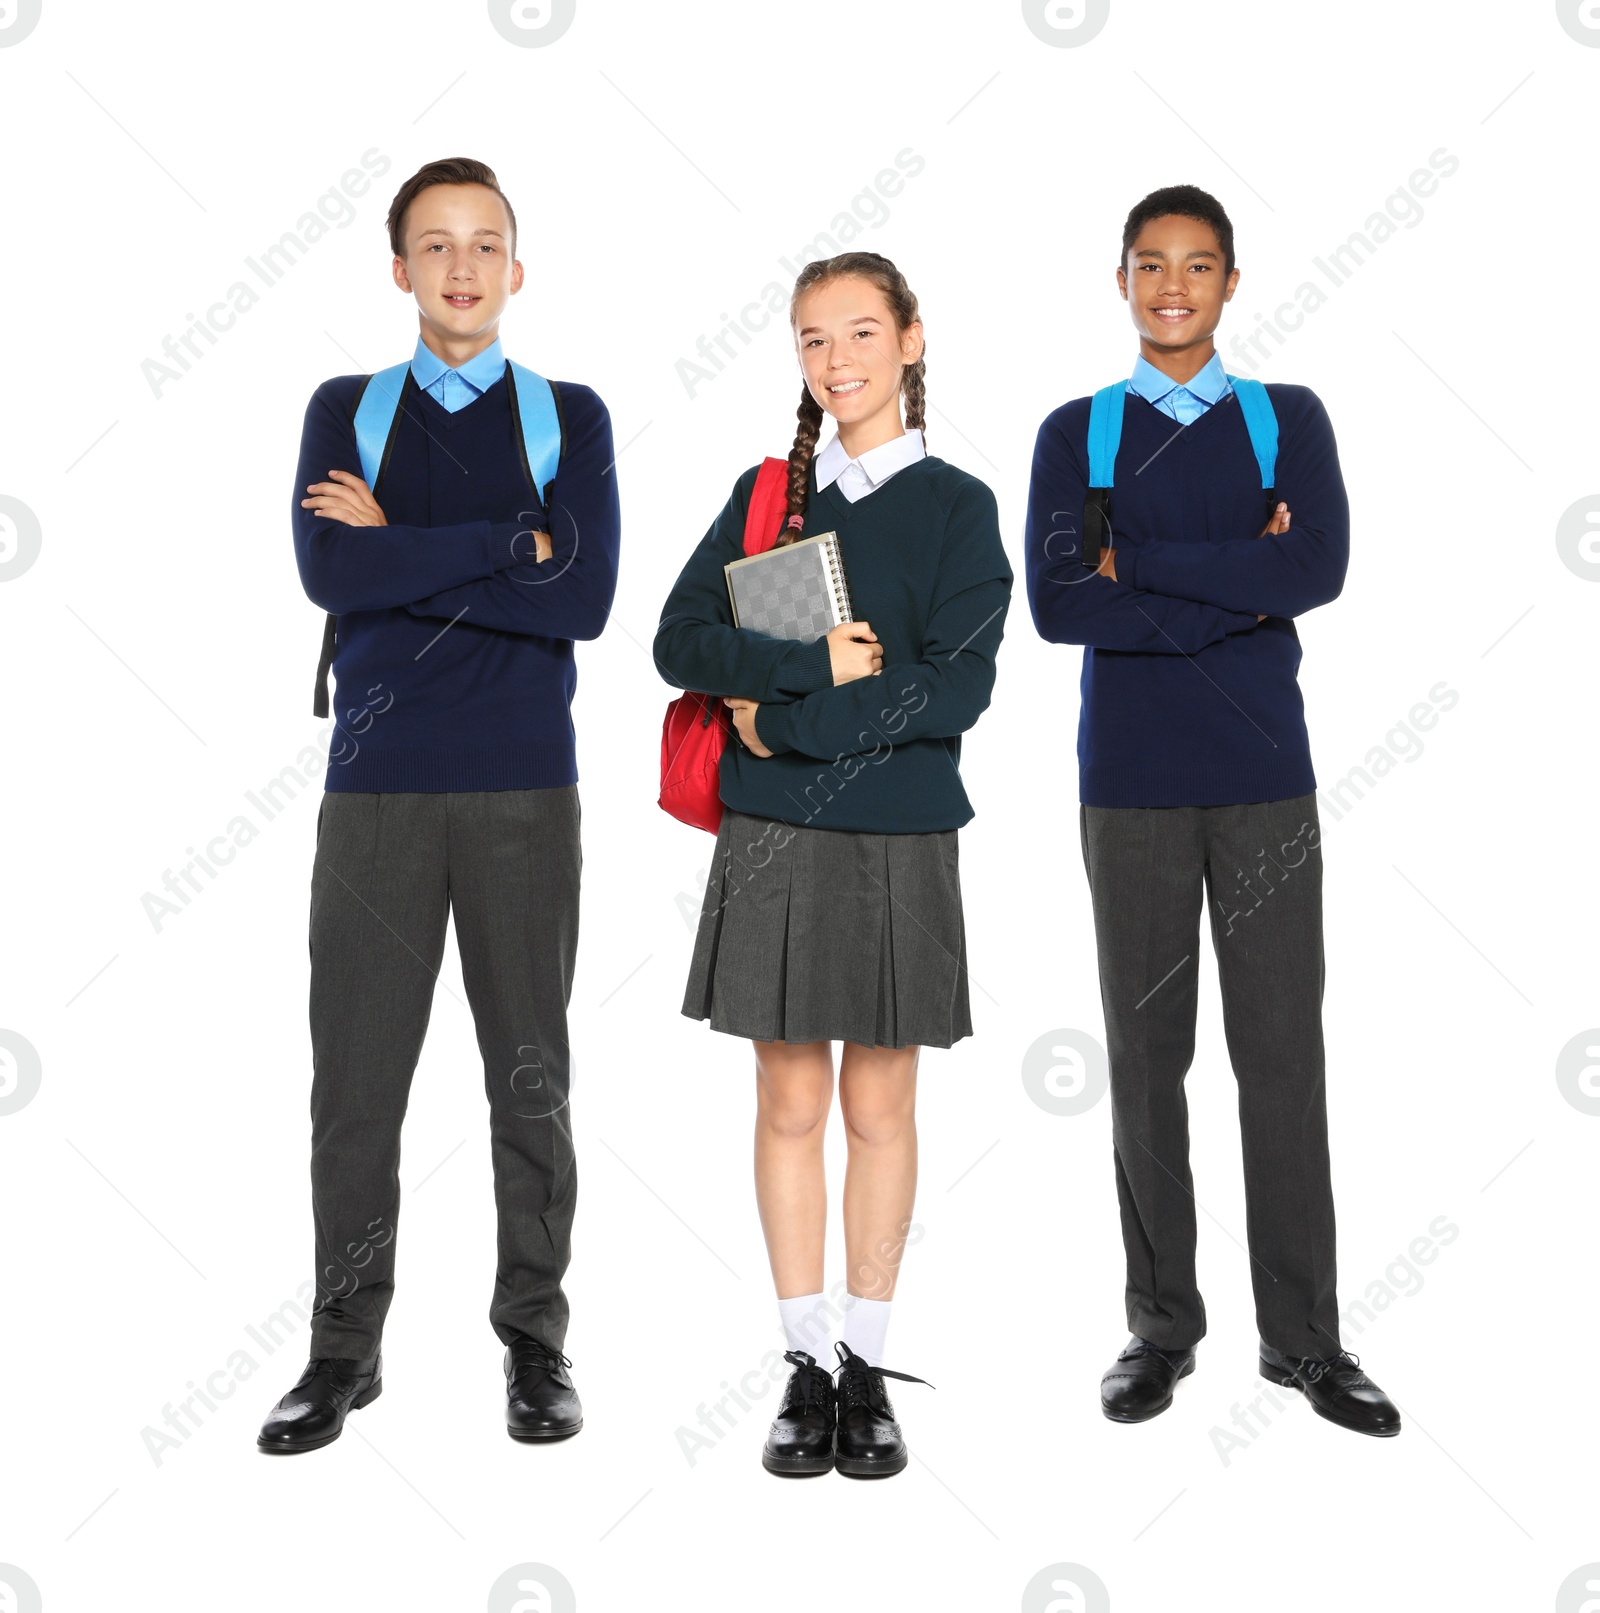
{"x":451,"y":789}
{"x":1196,"y":782}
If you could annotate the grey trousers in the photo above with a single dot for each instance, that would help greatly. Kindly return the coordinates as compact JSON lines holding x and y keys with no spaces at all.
{"x":389,"y":871}
{"x":1258,"y":869}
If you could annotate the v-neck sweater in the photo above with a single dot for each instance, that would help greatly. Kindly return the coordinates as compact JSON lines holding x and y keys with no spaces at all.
{"x":1188,"y":700}
{"x":454,"y":659}
{"x":928,"y":573}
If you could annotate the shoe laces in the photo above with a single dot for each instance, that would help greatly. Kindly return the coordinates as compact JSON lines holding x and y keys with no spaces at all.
{"x":809,"y":1384}
{"x":1344,"y":1362}
{"x":861,"y":1384}
{"x":528,"y":1355}
{"x":341,"y":1371}
{"x":1145,"y":1347}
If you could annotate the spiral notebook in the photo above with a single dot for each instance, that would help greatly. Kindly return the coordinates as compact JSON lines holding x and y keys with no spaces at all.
{"x":798,"y":591}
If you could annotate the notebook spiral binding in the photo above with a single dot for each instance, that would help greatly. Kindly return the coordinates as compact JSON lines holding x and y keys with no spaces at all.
{"x":841,"y":583}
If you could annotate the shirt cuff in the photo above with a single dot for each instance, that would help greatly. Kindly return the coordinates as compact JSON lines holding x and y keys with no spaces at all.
{"x":774,"y":724}
{"x":1128,"y":568}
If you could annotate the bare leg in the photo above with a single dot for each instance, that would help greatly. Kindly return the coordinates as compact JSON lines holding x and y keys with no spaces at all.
{"x":794,"y":1087}
{"x":878,"y":1096}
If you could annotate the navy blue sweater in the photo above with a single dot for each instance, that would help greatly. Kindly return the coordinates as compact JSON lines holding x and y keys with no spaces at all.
{"x":1187,"y":699}
{"x":928,"y":573}
{"x":485,"y":703}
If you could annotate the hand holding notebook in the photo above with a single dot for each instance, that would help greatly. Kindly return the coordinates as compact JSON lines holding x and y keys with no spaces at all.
{"x":800,"y":592}
{"x":854,"y":652}
{"x":797,"y":591}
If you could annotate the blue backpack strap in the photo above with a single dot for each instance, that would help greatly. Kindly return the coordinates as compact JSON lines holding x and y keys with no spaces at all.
{"x":376,"y":411}
{"x":1261,"y":421}
{"x":1105,"y":433}
{"x":1105,"y":436}
{"x":538,"y":414}
{"x":533,"y":402}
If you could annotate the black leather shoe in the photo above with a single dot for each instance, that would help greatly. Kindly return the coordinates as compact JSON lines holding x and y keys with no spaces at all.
{"x":540,"y":1400}
{"x":313,"y":1412}
{"x":1140,"y":1382}
{"x":800,"y":1441}
{"x":1337,"y":1388}
{"x":867,"y":1443}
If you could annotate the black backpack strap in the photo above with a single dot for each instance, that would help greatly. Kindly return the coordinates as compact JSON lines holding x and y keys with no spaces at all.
{"x":319,"y":699}
{"x":1096,"y":525}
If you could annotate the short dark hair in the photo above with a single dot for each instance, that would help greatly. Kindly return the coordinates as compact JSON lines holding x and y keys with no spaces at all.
{"x":446,"y":171}
{"x":1186,"y":201}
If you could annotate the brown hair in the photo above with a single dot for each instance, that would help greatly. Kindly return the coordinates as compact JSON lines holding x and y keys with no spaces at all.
{"x":903,"y":305}
{"x":446,"y":171}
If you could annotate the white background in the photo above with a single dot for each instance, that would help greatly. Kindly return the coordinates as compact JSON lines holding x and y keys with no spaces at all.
{"x":157,"y":663}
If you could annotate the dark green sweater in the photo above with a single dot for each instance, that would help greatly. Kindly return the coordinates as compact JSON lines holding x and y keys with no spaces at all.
{"x":928,"y":572}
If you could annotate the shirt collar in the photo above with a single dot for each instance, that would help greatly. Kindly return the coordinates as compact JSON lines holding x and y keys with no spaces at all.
{"x":878,"y":464}
{"x":479,"y":373}
{"x":1151,"y":385}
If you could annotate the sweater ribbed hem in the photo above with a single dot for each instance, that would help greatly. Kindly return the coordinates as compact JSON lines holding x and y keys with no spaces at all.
{"x":450,"y":769}
{"x":1104,"y":785}
{"x":853,"y":815}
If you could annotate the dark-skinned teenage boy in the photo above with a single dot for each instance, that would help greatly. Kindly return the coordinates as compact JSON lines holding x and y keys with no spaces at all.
{"x":1197,"y":792}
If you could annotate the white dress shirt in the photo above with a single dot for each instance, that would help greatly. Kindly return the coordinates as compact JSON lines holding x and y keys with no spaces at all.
{"x":858,"y":477}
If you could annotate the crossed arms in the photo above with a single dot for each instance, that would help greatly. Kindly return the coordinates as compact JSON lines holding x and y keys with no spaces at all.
{"x":497,"y":574}
{"x":1167,"y":597}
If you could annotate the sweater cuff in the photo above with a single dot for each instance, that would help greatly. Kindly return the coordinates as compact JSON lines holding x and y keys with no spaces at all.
{"x":774,"y":725}
{"x":509,"y":543}
{"x":807,"y":668}
{"x":1128,"y":569}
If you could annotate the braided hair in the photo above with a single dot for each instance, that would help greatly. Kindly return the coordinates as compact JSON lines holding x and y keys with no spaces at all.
{"x":902,"y":303}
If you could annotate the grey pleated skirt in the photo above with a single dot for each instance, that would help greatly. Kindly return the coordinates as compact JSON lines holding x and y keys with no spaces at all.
{"x":826,"y":935}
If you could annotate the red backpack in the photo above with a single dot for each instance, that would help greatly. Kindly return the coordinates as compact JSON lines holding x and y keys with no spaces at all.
{"x":695,"y":731}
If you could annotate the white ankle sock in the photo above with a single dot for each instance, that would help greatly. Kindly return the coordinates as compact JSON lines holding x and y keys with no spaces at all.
{"x":866,"y":1324}
{"x":805,"y":1326}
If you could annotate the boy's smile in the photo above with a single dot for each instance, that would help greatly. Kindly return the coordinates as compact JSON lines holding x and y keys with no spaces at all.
{"x":1175,"y":282}
{"x":460,"y":267}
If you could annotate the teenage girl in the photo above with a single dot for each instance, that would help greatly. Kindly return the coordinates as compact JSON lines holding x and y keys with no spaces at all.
{"x":833,"y":910}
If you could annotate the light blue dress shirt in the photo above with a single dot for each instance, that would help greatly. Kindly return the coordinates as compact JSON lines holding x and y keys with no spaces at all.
{"x":456,"y":388}
{"x":1184,"y":401}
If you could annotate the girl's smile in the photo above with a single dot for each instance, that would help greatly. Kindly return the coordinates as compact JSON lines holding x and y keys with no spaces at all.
{"x":852,"y":357}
